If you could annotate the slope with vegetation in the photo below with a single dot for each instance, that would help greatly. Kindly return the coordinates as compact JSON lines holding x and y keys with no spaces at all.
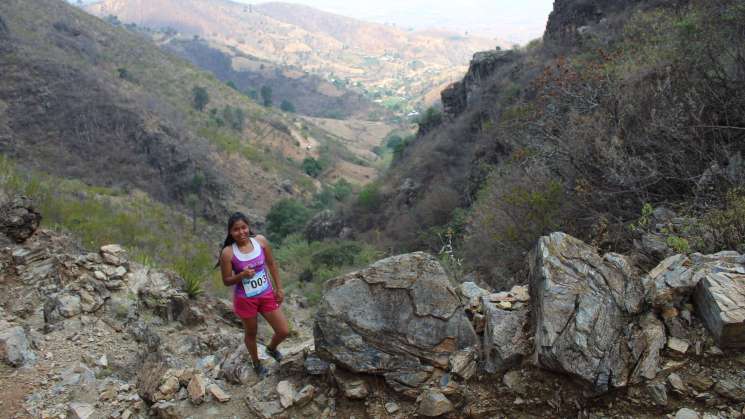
{"x":621,"y":108}
{"x":118,"y":141}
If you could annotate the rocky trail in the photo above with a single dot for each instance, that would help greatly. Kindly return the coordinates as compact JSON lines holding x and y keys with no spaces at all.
{"x":96,"y":335}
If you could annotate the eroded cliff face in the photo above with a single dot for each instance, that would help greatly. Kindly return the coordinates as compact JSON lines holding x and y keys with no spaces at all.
{"x":457,"y":97}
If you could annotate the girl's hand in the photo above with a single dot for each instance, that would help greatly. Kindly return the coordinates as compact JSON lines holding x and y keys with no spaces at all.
{"x":279,"y":294}
{"x":248,"y":273}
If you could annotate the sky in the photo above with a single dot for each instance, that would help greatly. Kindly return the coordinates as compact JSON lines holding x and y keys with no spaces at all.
{"x":516,"y":21}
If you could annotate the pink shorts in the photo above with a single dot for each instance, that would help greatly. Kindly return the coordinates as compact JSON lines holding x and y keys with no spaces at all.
{"x":249,"y":307}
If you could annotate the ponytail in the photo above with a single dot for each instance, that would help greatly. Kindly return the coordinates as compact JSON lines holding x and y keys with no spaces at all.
{"x":229,"y":240}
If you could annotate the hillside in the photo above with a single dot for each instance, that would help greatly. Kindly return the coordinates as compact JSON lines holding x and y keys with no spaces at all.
{"x":396,"y":67}
{"x":85,"y":100}
{"x":623,"y":126}
{"x":307,"y":93}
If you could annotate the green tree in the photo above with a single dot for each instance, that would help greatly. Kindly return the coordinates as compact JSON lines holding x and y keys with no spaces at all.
{"x":201,"y":97}
{"x":286,"y":217}
{"x":253,"y":94}
{"x":312,"y":167}
{"x":266,"y":96}
{"x":234,"y":117}
{"x":232,"y":85}
{"x":393,"y":141}
{"x":287,"y":106}
{"x":342,"y":189}
{"x":370,"y":197}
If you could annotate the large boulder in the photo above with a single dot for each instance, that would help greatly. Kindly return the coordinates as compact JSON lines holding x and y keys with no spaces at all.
{"x":720,"y":301}
{"x":583,"y":306}
{"x":15,"y":347}
{"x":398,"y":318}
{"x":18,"y":219}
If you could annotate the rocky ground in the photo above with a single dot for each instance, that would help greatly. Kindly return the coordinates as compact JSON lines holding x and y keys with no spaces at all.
{"x":95,"y":335}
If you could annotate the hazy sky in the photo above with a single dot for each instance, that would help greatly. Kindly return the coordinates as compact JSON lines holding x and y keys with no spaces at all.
{"x":511,"y":20}
{"x":514,"y":20}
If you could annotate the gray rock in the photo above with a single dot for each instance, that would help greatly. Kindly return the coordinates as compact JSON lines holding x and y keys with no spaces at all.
{"x":305,"y":395}
{"x":314,"y":365}
{"x":686,"y":413}
{"x":720,"y":301}
{"x":678,"y":346}
{"x":464,"y":363}
{"x":391,"y":408}
{"x":647,"y":340}
{"x":78,"y":410}
{"x":63,"y":305}
{"x":433,"y":403}
{"x":15,"y":347}
{"x":18,"y":219}
{"x":731,"y":389}
{"x":470,"y":290}
{"x":658,"y":393}
{"x":655,"y":246}
{"x":207,"y":363}
{"x":516,"y":381}
{"x":286,"y":391}
{"x":670,"y":281}
{"x":352,"y":386}
{"x":505,"y":338}
{"x":113,"y":254}
{"x":677,"y":383}
{"x":326,"y":224}
{"x":236,"y":367}
{"x":675,"y":278}
{"x":197,"y":388}
{"x":219,"y":394}
{"x":265,"y":409}
{"x":581,"y":306}
{"x":394,"y":318}
{"x":168,"y":410}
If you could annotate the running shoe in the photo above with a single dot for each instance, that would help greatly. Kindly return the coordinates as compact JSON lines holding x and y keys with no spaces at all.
{"x":274,"y":353}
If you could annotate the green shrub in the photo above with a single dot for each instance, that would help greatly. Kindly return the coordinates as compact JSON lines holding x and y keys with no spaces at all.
{"x":266,"y":96}
{"x":724,"y":229}
{"x":285,"y":217}
{"x":370,"y":197}
{"x":678,"y":244}
{"x":200,"y":98}
{"x":312,"y":167}
{"x":287,"y":106}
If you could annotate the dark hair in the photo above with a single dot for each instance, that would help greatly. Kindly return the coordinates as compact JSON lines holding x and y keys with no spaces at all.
{"x":229,"y":240}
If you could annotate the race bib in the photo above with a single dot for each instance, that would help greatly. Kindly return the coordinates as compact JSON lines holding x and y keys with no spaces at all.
{"x":256,"y":284}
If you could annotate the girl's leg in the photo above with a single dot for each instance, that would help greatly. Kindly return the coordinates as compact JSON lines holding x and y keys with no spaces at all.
{"x":277,"y":320}
{"x":250,"y":327}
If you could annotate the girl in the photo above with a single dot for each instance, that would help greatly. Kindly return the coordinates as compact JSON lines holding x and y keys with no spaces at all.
{"x":244,"y":260}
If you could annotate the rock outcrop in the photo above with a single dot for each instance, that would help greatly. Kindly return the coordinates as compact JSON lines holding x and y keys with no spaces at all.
{"x":459,"y":95}
{"x":571,"y":18}
{"x":323,"y":225}
{"x":398,"y":318}
{"x":18,"y":219}
{"x":582,"y":306}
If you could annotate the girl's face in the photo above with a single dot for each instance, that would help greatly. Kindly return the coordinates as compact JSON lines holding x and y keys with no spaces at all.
{"x":239,"y":231}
